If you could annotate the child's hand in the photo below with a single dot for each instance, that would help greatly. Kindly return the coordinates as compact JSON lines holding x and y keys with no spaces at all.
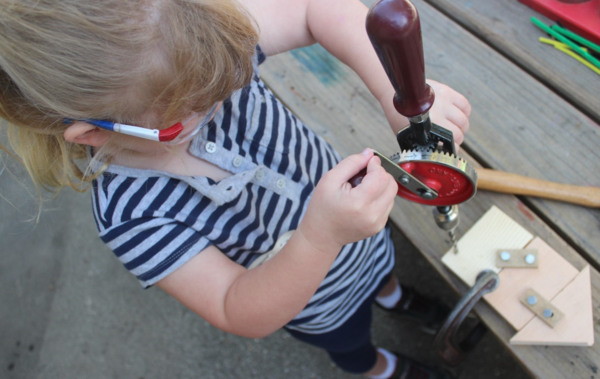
{"x":339,"y":214}
{"x":450,"y":110}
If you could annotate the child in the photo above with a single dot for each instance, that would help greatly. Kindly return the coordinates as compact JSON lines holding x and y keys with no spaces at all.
{"x":245,"y":216}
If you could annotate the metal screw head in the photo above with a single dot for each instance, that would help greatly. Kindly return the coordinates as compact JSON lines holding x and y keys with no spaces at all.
{"x":427,"y":195}
{"x":529,"y":259}
{"x":505,"y":256}
{"x":404,"y":179}
{"x":531,"y":300}
{"x":548,"y":313}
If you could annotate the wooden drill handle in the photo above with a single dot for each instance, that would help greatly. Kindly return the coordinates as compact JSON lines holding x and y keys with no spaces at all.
{"x":394,"y":29}
{"x":505,"y":182}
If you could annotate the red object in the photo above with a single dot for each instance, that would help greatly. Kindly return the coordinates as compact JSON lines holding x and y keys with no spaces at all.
{"x":394,"y":29}
{"x":580,"y":18}
{"x":453,"y":187}
{"x":170,"y":133}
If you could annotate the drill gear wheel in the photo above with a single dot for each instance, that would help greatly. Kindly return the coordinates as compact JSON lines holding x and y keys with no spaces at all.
{"x":450,"y":176}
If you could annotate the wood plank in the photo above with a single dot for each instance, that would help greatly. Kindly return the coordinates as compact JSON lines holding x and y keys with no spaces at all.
{"x":476,"y":249}
{"x":519,"y":126}
{"x":552,"y":275}
{"x":505,"y":25}
{"x":577,"y":320}
{"x":331,"y":99}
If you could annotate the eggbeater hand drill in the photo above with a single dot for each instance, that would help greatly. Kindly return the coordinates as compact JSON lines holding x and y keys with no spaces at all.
{"x":427,"y":168}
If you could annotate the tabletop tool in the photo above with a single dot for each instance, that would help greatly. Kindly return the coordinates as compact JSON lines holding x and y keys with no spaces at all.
{"x":427,"y":169}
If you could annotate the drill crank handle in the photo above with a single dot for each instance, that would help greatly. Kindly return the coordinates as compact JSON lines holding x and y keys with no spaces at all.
{"x":514,"y":184}
{"x":402,"y":177}
{"x":394,"y":29}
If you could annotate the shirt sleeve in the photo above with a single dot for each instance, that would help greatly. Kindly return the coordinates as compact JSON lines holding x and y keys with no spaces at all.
{"x":152,"y":248}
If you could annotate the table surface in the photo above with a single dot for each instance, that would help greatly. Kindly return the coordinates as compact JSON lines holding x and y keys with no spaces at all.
{"x":535,"y":113}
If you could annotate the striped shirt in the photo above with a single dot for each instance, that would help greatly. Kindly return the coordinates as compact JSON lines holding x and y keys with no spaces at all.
{"x":155,"y":222}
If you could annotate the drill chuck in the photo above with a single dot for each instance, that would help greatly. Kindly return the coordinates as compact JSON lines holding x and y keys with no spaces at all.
{"x":446,"y":217}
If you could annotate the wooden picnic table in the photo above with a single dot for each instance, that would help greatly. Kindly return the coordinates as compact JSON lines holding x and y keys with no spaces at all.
{"x":535,"y":113}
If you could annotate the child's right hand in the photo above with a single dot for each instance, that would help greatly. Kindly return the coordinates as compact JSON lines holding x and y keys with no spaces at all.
{"x":339,"y":214}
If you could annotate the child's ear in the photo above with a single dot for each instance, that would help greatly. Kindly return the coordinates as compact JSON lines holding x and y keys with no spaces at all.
{"x":86,"y":134}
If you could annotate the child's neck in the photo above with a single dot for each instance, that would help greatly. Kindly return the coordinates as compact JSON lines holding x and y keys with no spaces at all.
{"x":175,"y":160}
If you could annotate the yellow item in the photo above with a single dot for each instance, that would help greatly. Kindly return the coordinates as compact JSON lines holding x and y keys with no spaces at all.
{"x":567,"y":50}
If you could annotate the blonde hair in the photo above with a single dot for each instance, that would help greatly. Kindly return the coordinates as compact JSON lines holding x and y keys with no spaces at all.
{"x":112,"y":59}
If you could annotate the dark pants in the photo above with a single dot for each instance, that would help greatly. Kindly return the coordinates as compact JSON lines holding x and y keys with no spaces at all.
{"x":349,"y":346}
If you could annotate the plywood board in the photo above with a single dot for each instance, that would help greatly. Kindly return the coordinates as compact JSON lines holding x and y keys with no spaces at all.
{"x":577,"y":326}
{"x":551,"y":276}
{"x":477,"y":248}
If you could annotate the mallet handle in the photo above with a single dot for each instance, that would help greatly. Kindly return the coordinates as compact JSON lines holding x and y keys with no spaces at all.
{"x":505,"y":182}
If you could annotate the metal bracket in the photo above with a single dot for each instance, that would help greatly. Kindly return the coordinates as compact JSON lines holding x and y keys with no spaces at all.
{"x":453,"y":353}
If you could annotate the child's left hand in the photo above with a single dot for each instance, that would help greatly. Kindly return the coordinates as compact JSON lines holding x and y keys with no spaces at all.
{"x":450,"y":110}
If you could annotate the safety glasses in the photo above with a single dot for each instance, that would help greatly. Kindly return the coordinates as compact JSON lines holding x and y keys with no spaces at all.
{"x":173,"y":135}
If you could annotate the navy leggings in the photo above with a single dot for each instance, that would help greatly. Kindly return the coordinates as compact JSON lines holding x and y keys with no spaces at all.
{"x":349,"y":346}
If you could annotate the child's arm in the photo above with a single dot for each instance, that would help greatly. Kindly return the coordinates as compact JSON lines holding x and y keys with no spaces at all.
{"x":339,"y":26}
{"x":257,"y":302}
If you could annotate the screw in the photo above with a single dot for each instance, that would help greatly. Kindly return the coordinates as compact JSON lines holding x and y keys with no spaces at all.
{"x":531,"y":300}
{"x":404,"y":179}
{"x":548,"y":313}
{"x":427,"y":195}
{"x":530,"y":259}
{"x":505,"y":256}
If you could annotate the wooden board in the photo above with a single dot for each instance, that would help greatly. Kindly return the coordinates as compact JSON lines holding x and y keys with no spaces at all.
{"x":575,"y":328}
{"x":517,"y":124}
{"x":338,"y":106}
{"x":477,"y":248}
{"x":552,"y":275}
{"x":506,"y":25}
{"x":542,"y":308}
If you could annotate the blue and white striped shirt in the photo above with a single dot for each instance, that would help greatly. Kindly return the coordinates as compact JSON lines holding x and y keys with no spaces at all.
{"x":155,"y":221}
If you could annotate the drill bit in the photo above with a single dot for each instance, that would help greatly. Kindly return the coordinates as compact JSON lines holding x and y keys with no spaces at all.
{"x":446,"y":217}
{"x":454,"y":241}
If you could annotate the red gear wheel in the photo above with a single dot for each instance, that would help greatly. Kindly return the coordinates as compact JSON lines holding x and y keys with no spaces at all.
{"x":453,"y":185}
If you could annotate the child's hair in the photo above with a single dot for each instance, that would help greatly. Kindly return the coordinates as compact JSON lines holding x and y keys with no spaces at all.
{"x":112,"y":59}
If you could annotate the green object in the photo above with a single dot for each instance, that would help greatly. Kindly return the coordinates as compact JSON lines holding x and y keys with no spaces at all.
{"x":576,"y":38}
{"x":566,"y":41}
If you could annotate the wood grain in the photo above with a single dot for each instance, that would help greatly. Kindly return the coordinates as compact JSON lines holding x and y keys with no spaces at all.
{"x":506,"y":25}
{"x":517,"y":124}
{"x":577,"y":321}
{"x":477,"y":248}
{"x":552,"y":275}
{"x":511,"y":111}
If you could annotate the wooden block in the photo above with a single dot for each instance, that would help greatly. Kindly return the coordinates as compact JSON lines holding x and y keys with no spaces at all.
{"x":552,"y":275}
{"x":477,"y":248}
{"x":517,"y":258}
{"x":577,"y":326}
{"x":540,"y":305}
